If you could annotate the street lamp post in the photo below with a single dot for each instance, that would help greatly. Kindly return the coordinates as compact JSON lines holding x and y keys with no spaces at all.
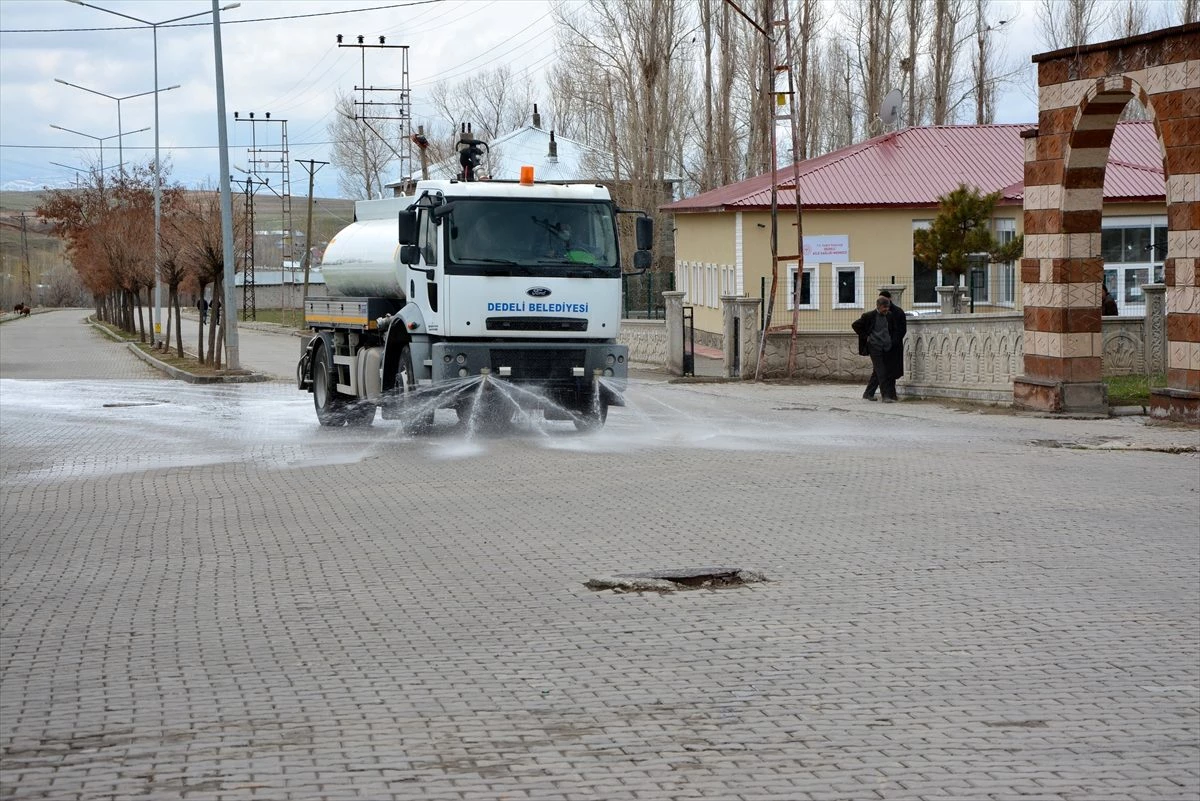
{"x":120,"y":150}
{"x":154,"y":26}
{"x":100,"y":139}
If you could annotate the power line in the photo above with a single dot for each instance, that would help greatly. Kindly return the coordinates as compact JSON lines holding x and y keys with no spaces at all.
{"x":224,"y":21}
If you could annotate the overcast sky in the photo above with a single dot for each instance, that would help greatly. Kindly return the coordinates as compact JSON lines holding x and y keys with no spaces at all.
{"x":279,"y":57}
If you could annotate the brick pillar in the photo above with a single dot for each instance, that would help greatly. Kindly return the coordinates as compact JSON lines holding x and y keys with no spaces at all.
{"x":740,"y":315}
{"x":1062,"y":271}
{"x":674,"y":321}
{"x":1174,"y":94}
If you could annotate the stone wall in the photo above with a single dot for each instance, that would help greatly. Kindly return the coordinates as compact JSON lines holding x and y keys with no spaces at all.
{"x":822,"y":356}
{"x":646,"y":340}
{"x":966,"y":356}
{"x":1124,"y":345}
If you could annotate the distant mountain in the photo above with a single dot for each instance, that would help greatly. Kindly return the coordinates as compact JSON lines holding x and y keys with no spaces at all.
{"x":31,"y":185}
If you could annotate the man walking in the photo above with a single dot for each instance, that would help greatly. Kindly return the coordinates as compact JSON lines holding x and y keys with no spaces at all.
{"x":881,"y":336}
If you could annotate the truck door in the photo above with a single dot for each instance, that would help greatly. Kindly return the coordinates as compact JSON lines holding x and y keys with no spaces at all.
{"x":428,"y":287}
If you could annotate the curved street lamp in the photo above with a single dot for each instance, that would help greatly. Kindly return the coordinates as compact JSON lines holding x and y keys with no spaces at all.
{"x":100,"y":139}
{"x":154,"y":26}
{"x":120,"y":150}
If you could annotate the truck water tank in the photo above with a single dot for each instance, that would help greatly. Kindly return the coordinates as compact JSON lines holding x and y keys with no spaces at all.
{"x":363,"y":260}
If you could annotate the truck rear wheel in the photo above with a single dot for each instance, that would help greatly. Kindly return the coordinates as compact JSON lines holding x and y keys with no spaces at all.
{"x":334,"y":409}
{"x":331,"y":407}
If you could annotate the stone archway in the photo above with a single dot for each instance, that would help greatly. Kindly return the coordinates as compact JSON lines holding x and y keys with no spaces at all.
{"x":1081,"y":93}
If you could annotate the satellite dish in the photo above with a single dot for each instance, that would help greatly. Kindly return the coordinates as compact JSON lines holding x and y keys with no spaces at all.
{"x":889,"y":109}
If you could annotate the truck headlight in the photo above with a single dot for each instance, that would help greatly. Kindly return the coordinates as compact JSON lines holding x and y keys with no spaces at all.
{"x":611,"y":360}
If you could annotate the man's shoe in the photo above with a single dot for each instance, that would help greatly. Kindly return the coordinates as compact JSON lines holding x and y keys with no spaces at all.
{"x":886,"y":400}
{"x":868,"y":397}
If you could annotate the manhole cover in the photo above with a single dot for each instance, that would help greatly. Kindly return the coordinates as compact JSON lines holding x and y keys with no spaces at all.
{"x":695,"y":578}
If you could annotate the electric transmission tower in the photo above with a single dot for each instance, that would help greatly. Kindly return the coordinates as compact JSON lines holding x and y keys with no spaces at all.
{"x":269,"y":162}
{"x":249,"y":307}
{"x":399,"y":110}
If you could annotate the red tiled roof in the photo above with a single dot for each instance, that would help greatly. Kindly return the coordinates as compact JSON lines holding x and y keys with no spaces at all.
{"x":914,"y":166}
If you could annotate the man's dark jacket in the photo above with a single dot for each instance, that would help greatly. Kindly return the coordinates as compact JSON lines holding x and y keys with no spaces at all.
{"x":897,"y":327}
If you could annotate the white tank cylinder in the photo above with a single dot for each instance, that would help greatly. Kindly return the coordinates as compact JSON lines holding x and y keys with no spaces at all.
{"x":363,"y":260}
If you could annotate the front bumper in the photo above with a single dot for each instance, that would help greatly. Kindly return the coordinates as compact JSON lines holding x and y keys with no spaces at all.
{"x":564,"y":368}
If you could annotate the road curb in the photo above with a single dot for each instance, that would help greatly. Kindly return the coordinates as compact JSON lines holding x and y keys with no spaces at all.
{"x":192,"y":378}
{"x":240,"y":377}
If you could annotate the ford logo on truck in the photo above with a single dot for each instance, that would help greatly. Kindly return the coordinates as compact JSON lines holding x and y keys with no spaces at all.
{"x":537,"y":292}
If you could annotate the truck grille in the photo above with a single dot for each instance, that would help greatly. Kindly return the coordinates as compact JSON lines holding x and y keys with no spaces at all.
{"x":536,"y":324}
{"x":538,"y":364}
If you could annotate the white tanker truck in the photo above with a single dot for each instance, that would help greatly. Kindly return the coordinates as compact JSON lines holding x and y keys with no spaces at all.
{"x":465,"y":283}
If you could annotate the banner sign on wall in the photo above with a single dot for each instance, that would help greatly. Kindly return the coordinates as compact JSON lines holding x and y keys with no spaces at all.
{"x":827,"y":248}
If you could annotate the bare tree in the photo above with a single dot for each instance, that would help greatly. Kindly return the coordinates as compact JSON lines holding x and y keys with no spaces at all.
{"x":944,"y":47}
{"x":916,"y":24}
{"x":1131,"y":17}
{"x":494,"y":101}
{"x":808,"y":26}
{"x":874,"y":23}
{"x":632,"y":52}
{"x":1069,"y":23}
{"x":984,"y":67}
{"x":362,"y":149}
{"x":717,"y":128}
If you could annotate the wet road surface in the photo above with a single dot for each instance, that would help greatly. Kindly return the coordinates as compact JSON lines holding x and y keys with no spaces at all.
{"x":208,"y":596}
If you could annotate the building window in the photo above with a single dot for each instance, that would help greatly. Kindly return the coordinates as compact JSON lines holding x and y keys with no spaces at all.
{"x":924,"y":277}
{"x":848,"y":285}
{"x":1006,"y":273}
{"x":1133,"y":249}
{"x":809,"y":292}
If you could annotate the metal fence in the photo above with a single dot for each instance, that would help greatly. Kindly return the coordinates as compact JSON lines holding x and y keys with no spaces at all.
{"x":831,"y":300}
{"x":641,"y":295}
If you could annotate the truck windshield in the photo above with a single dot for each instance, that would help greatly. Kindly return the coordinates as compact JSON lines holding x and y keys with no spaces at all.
{"x":532,"y":237}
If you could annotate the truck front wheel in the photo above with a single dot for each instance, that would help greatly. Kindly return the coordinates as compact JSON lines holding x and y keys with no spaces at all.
{"x":592,"y":417}
{"x":406,"y":387}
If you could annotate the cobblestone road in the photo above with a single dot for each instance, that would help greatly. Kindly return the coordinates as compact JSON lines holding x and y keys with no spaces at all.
{"x":206,"y":596}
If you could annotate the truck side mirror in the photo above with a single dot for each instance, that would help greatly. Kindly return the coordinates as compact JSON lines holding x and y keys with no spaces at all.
{"x":641,"y":260}
{"x":645,"y":233}
{"x":410,"y":254}
{"x":407,"y":234}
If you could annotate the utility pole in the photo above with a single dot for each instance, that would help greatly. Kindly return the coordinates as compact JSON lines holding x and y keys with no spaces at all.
{"x":313,"y":167}
{"x":26,"y":278}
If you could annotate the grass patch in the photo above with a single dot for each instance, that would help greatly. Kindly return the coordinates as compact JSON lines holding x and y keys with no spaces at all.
{"x":1132,"y":390}
{"x":114,"y":331}
{"x":293,"y":318}
{"x":188,"y":364}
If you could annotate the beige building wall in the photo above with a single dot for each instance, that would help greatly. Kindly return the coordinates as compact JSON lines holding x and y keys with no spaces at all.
{"x":721,"y":253}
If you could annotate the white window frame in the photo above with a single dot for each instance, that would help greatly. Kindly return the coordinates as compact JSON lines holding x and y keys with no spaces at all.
{"x":1005,"y":273}
{"x":859,"y":275}
{"x":814,"y":286}
{"x":1152,"y":265}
